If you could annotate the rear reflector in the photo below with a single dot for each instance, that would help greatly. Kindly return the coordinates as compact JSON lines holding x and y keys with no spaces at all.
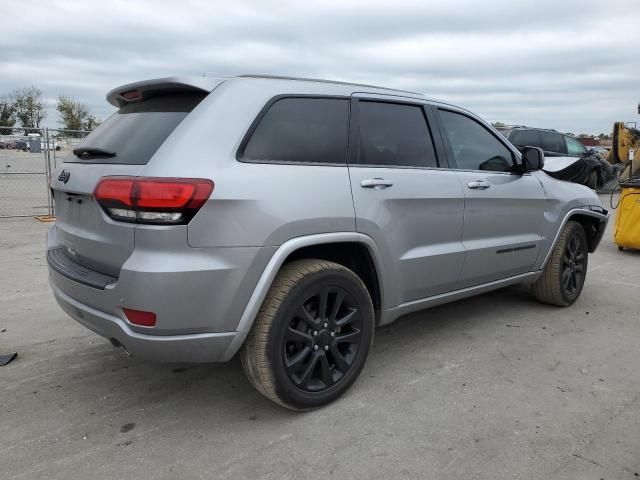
{"x":138,"y":317}
{"x":164,"y":201}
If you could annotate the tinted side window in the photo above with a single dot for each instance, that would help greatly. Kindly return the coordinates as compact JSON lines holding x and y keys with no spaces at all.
{"x":473,"y":146}
{"x":552,"y":142}
{"x":526,"y":138}
{"x":310,"y":130}
{"x":395,"y":135}
{"x":574,"y":147}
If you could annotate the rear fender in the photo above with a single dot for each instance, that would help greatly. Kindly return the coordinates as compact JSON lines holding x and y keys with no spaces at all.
{"x":278,"y":259}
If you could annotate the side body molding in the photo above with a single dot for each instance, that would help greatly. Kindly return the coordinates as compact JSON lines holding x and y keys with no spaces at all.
{"x":272,"y":268}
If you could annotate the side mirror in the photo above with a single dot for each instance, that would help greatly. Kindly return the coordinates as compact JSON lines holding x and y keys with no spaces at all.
{"x":532,"y":159}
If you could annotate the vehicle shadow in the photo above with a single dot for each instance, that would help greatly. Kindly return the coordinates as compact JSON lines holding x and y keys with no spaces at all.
{"x":188,"y":392}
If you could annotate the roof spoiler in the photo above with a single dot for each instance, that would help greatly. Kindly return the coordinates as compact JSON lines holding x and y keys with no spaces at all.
{"x":138,"y":91}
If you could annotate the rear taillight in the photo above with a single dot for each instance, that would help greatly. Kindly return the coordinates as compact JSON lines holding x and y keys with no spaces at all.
{"x":152,"y":200}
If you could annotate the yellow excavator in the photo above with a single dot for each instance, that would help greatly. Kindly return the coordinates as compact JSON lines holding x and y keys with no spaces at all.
{"x":625,"y":153}
{"x":625,"y":149}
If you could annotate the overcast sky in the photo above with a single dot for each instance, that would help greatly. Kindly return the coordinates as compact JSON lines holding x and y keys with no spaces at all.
{"x":569,"y":65}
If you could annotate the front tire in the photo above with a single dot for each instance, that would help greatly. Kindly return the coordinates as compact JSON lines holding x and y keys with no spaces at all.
{"x":312,"y":335}
{"x":565,"y":272}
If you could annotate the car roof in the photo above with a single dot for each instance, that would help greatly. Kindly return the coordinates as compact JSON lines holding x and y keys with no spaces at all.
{"x":524,"y":127}
{"x":208,"y":82}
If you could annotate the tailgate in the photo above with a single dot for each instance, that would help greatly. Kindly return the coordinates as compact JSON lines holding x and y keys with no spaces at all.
{"x":121,"y":146}
{"x":89,"y":236}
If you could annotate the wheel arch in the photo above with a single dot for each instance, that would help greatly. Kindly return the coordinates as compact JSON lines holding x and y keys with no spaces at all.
{"x":337,"y":247}
{"x":593,"y":227}
{"x":594,"y":224}
{"x":356,"y":256}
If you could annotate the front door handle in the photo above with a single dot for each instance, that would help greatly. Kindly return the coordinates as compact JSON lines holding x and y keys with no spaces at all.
{"x":478,"y":185}
{"x":377,"y":183}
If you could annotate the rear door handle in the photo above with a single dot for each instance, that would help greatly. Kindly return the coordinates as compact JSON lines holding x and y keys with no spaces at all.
{"x":478,"y":185}
{"x":377,"y":183}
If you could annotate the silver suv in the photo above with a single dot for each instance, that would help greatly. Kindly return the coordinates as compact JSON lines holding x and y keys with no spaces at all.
{"x":283,"y":219}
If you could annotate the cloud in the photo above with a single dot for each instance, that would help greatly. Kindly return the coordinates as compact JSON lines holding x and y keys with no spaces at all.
{"x":567,"y":65}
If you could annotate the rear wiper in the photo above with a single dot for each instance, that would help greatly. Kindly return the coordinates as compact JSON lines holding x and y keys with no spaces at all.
{"x":92,"y":152}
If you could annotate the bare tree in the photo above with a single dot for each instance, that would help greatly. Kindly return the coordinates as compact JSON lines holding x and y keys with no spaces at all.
{"x":7,"y":113}
{"x":29,"y":109}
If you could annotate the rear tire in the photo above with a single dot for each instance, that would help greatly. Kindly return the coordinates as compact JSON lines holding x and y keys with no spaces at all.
{"x":565,"y":272}
{"x":312,"y":335}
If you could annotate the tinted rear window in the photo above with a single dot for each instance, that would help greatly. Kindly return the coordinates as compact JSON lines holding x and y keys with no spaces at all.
{"x":308,"y":130}
{"x":136,"y":131}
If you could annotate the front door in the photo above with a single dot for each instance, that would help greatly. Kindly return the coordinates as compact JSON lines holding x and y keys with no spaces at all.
{"x":504,"y":211}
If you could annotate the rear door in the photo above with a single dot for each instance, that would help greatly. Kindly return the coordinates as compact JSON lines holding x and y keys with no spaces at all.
{"x":503,"y":212}
{"x":122,"y":145}
{"x":404,"y":199}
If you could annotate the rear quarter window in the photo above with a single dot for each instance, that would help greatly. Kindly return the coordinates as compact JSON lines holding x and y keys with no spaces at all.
{"x":136,"y":130}
{"x":299,"y":130}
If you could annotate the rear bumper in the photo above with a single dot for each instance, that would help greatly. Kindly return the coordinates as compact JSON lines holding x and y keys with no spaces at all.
{"x":197,"y":294}
{"x":194,"y":348}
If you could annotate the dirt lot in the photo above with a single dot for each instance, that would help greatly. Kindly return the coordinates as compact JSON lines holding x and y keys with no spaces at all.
{"x":494,"y":387}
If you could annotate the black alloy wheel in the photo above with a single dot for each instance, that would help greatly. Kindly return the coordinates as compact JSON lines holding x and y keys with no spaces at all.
{"x":312,"y":336}
{"x":565,"y":271}
{"x":573,"y":264}
{"x":322,"y":339}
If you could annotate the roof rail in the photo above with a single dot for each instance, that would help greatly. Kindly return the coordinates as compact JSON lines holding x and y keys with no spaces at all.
{"x":532,"y":128}
{"x":319,"y":80}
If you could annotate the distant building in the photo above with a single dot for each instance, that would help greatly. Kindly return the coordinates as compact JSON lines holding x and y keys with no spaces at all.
{"x":589,"y":141}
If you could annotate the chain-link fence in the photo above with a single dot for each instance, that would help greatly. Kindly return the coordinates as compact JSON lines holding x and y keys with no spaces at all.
{"x":27,"y":156}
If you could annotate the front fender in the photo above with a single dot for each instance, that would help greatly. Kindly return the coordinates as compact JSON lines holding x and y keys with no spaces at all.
{"x":602,"y":217}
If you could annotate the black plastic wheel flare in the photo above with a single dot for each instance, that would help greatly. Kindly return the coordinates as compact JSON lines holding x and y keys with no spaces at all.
{"x":322,"y":339}
{"x":573,"y":265}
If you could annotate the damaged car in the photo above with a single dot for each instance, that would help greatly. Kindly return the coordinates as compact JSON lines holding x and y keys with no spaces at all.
{"x":565,"y":157}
